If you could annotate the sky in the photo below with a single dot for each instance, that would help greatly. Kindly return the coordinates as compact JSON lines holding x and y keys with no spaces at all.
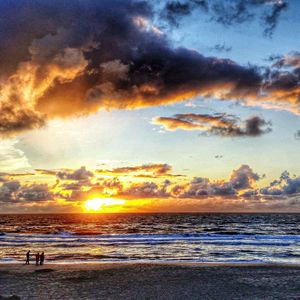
{"x":149,"y":106}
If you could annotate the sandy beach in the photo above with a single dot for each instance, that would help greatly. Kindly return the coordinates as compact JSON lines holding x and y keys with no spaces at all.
{"x":149,"y":281}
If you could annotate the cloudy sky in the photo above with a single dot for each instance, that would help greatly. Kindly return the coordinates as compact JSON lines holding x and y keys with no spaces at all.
{"x":188,"y":105}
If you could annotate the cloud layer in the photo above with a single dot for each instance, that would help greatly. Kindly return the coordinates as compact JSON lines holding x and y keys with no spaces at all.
{"x":239,"y":191}
{"x":147,"y":170}
{"x":68,"y":59}
{"x":218,"y":124}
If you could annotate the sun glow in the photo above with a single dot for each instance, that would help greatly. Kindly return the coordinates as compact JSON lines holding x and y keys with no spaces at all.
{"x":99,"y":204}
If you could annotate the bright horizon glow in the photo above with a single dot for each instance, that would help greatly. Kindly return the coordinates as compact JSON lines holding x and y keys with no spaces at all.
{"x":98,"y":204}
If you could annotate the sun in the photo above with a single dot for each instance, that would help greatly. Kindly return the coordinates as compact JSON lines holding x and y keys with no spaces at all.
{"x":98,"y":204}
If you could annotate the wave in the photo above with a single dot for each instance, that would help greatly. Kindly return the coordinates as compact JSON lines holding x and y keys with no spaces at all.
{"x":71,"y":240}
{"x":153,"y":237}
{"x":186,"y":236}
{"x":191,"y":234}
{"x":71,"y":247}
{"x":99,"y":257}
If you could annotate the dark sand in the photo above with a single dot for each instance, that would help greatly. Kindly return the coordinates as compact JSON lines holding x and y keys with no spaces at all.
{"x":150,"y":281}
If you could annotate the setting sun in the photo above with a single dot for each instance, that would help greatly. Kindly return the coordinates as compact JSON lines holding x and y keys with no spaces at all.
{"x":97,"y":204}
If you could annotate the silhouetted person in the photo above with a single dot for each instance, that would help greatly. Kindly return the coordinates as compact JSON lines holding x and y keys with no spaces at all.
{"x":27,"y":257}
{"x":37,"y":258}
{"x":42,"y":258}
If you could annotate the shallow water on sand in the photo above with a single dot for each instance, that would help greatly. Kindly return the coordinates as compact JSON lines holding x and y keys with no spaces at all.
{"x":152,"y":237}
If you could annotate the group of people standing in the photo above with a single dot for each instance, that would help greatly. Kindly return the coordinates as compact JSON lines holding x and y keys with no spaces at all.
{"x":39,"y":258}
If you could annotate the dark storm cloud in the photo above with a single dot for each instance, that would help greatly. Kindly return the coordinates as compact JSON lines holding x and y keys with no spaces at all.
{"x":63,"y":59}
{"x":217,"y":124}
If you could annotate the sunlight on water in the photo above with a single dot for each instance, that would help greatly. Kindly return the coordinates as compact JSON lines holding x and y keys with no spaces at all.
{"x":152,"y":237}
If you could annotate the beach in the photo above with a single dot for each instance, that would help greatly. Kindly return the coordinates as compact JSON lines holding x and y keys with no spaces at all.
{"x":150,"y":281}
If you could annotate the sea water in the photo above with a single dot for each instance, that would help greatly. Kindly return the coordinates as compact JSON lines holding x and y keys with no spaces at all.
{"x":73,"y":238}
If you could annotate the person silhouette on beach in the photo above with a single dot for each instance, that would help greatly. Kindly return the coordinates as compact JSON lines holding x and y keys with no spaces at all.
{"x":27,"y":257}
{"x":37,"y":258}
{"x":42,"y":258}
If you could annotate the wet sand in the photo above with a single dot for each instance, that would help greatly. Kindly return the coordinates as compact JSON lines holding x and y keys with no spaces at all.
{"x":150,"y":281}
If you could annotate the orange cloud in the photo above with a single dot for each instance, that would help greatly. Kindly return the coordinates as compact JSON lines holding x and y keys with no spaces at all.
{"x":218,"y":124}
{"x":238,"y":192}
{"x":62,"y":70}
{"x":147,"y":170}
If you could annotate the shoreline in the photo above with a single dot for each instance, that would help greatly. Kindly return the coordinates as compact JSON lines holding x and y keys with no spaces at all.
{"x":159,"y":263}
{"x":132,"y":280}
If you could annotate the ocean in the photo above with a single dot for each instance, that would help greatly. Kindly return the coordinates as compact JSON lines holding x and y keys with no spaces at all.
{"x":75,"y":238}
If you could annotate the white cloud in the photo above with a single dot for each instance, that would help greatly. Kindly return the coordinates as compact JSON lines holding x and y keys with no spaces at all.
{"x":11,"y":157}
